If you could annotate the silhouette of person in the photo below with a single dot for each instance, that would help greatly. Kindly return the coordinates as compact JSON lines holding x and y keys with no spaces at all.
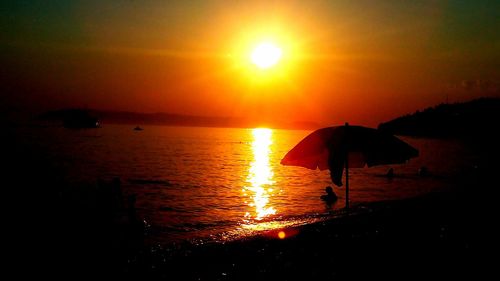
{"x":330,"y":196}
{"x":423,"y":171}
{"x":390,"y":173}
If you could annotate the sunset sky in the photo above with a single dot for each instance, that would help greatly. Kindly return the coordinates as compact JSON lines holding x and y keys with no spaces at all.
{"x":359,"y":61}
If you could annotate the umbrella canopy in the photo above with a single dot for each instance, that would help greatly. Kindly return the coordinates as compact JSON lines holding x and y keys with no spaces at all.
{"x":365,"y":146}
{"x":348,"y":146}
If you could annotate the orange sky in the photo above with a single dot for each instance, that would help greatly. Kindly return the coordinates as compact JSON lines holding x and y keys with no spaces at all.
{"x":361,"y":62}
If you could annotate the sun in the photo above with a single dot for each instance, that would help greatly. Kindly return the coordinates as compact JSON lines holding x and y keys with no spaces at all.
{"x":266,"y":55}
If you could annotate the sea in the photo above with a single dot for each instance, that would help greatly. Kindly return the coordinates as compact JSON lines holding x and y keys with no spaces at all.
{"x":216,"y":184}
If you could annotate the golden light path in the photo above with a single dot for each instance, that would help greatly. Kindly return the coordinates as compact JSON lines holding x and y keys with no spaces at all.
{"x":259,"y":191}
{"x":260,"y":176}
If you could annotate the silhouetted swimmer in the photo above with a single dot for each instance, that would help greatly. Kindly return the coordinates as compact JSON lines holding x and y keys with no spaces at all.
{"x":330,"y":196}
{"x":423,"y":171}
{"x":390,"y":173}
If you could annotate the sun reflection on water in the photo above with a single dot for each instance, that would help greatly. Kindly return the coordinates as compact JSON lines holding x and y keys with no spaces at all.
{"x":260,"y":176}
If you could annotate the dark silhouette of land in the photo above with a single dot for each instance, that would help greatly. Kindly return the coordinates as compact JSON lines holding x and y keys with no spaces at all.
{"x":474,"y":118}
{"x":123,"y":117}
{"x":75,"y":118}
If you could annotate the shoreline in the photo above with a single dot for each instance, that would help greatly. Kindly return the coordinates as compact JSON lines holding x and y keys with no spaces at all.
{"x":421,"y":236}
{"x":441,"y":234}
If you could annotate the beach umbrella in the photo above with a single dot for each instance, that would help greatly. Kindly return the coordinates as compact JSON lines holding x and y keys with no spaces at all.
{"x":336,"y":148}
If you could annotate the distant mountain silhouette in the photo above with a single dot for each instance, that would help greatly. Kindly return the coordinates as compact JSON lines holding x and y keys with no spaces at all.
{"x":474,"y":118}
{"x":73,"y":118}
{"x":123,"y":117}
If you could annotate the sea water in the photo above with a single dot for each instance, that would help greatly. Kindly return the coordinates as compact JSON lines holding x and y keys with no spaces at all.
{"x":224,"y":183}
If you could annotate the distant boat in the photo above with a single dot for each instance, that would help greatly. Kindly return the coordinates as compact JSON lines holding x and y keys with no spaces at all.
{"x":138,"y":128}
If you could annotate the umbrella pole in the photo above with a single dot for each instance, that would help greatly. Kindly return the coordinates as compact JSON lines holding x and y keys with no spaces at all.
{"x":347,"y":171}
{"x":346,"y":184}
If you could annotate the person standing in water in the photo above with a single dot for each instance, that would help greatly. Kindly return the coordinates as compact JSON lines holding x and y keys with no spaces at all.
{"x":330,"y":196}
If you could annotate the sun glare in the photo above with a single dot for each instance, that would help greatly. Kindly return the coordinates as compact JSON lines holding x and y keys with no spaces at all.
{"x":266,"y":55}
